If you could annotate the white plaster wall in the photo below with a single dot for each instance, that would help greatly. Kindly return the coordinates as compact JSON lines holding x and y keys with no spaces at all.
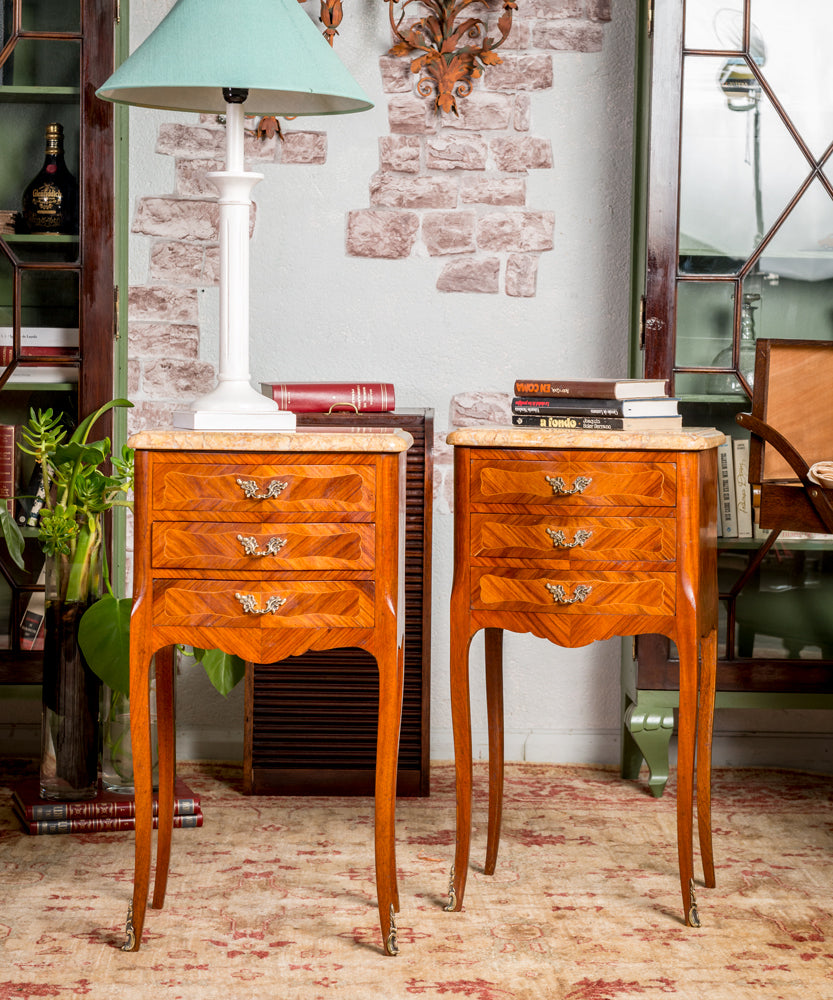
{"x":319,"y":314}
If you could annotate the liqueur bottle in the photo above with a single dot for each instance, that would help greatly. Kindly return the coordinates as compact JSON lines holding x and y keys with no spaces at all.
{"x":50,"y":202}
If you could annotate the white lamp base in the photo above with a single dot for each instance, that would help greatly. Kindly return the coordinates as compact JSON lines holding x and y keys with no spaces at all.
{"x":234,"y":420}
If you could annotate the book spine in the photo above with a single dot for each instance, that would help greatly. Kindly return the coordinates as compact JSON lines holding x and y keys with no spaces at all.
{"x":326,"y":397}
{"x":31,"y":624}
{"x":569,"y":422}
{"x":105,"y":825}
{"x":7,"y":465}
{"x":99,"y":810}
{"x":563,"y":407}
{"x":726,"y":488}
{"x":743,"y":491}
{"x":606,"y":388}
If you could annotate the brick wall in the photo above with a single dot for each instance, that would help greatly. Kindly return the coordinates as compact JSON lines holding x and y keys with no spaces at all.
{"x":452,"y":188}
{"x":455,"y":187}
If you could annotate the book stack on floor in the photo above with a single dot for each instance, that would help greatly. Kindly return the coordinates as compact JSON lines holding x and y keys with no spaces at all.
{"x":107,"y":812}
{"x":604,"y":404}
{"x":331,"y":397}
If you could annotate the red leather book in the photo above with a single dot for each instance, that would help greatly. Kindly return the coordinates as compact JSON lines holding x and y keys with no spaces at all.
{"x":101,"y":825}
{"x":106,"y":805}
{"x":593,"y":388}
{"x":329,"y":397}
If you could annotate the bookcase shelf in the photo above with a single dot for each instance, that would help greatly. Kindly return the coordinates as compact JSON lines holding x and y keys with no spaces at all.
{"x":58,"y":281}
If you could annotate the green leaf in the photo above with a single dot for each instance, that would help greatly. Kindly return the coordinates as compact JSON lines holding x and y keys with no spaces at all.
{"x":104,"y":638}
{"x":224,"y":670}
{"x":12,"y":536}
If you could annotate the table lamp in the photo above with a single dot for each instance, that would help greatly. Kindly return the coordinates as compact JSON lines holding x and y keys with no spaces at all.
{"x":217,"y":56}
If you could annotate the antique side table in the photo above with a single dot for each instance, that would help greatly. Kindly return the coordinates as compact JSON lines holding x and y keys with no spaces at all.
{"x":573,"y":536}
{"x":265,"y":545}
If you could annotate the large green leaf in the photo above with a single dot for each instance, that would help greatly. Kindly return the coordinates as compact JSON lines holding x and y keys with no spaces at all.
{"x":12,"y":536}
{"x":224,"y":670}
{"x":104,"y":638}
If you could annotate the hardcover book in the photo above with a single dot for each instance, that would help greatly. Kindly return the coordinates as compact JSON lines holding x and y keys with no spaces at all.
{"x":578,"y":422}
{"x":663,"y":406}
{"x":106,"y":824}
{"x":106,"y":805}
{"x":600,"y":388}
{"x":329,"y":397}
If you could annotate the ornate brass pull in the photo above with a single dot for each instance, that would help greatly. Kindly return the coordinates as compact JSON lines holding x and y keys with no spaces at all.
{"x":273,"y":546}
{"x":250,"y":489}
{"x":559,"y":595}
{"x":559,"y":539}
{"x":250,"y":607}
{"x":559,"y":488}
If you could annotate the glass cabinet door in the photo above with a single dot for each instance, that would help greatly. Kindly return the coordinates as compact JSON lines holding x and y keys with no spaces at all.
{"x":753,"y":193}
{"x":739,"y":246}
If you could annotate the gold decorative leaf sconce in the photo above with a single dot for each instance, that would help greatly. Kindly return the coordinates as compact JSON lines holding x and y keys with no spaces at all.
{"x":450,"y":56}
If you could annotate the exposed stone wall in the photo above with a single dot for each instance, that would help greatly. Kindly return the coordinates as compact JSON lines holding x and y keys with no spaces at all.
{"x":164,"y":367}
{"x":454,"y":187}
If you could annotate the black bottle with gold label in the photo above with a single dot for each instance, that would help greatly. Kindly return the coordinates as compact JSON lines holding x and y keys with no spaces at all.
{"x":50,"y":202}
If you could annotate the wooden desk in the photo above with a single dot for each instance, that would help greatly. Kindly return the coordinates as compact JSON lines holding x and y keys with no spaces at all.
{"x":265,"y":545}
{"x":575,"y":536}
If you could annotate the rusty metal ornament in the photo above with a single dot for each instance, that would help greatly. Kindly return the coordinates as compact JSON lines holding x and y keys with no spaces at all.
{"x":451,"y":56}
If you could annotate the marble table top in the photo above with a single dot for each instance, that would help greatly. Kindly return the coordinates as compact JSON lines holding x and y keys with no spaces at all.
{"x":499,"y":436}
{"x":336,"y":439}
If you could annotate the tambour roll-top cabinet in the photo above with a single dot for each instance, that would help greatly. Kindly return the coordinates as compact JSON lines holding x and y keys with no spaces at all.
{"x":734,"y":203}
{"x":58,"y":304}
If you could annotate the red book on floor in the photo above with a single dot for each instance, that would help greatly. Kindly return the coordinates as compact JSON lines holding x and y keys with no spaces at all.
{"x":106,"y":824}
{"x":106,"y":805}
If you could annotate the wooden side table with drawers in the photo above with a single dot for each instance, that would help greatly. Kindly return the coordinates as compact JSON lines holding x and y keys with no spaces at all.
{"x":265,"y":545}
{"x":573,"y":536}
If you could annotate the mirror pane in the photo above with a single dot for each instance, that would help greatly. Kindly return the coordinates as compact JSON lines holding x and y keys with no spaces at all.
{"x":797,"y":64}
{"x":51,"y":15}
{"x":705,"y":311}
{"x":740,"y":166}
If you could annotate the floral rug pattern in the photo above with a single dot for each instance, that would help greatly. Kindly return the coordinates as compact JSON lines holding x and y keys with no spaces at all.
{"x":273,"y":898}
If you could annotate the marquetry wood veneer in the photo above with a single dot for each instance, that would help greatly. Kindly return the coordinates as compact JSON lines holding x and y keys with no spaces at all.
{"x":575,"y":536}
{"x":265,"y":546}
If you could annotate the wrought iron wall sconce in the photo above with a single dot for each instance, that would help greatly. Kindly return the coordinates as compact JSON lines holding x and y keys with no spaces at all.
{"x":450,"y":55}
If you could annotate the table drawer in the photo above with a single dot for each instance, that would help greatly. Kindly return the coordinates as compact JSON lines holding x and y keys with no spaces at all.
{"x":556,"y":538}
{"x":570,"y":480}
{"x":573,"y":592}
{"x":298,"y":604}
{"x":203,"y":486}
{"x":262,"y":546}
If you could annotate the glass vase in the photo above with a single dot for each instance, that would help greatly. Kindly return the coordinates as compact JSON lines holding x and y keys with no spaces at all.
{"x":70,"y":734}
{"x":116,"y":746}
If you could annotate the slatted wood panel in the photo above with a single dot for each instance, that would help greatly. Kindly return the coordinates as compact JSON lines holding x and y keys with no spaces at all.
{"x":311,"y":719}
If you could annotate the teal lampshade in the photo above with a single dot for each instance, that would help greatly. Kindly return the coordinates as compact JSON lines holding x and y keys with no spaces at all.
{"x":270,"y":48}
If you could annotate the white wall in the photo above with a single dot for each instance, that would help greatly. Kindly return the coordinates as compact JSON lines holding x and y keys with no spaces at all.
{"x":319,"y":314}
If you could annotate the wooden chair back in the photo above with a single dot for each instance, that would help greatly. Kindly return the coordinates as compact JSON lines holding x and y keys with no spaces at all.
{"x":791,"y":428}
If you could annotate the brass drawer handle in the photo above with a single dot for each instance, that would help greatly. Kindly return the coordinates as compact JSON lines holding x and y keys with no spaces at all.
{"x":559,"y":488}
{"x":250,"y":607}
{"x":559,"y":539}
{"x":250,"y":489}
{"x":250,"y":545}
{"x":559,"y":595}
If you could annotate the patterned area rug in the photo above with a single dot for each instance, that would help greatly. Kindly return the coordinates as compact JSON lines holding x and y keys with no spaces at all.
{"x":273,"y":898}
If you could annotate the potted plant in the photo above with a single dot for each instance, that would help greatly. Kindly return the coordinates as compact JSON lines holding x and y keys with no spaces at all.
{"x":86,"y":626}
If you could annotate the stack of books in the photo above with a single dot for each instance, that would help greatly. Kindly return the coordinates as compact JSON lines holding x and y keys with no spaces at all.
{"x":108,"y":811}
{"x":604,"y":404}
